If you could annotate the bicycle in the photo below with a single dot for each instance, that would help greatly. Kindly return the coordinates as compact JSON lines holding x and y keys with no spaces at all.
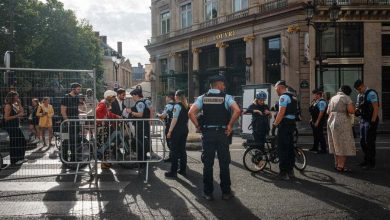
{"x":255,"y":160}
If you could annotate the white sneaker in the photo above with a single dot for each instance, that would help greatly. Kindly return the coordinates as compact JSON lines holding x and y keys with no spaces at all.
{"x":19,"y":162}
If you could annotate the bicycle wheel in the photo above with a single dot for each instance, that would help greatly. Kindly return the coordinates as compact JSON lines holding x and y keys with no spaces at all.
{"x":253,"y":160}
{"x":57,"y":141}
{"x":300,"y":159}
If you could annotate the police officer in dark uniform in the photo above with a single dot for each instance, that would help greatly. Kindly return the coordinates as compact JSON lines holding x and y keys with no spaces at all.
{"x":317,"y":111}
{"x":142,"y":128}
{"x":220,"y":112}
{"x":178,"y":132}
{"x":285,"y":122}
{"x":167,"y":115}
{"x":367,"y":110}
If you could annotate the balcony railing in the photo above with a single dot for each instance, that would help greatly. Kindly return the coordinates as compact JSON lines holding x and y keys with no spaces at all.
{"x":259,"y":10}
{"x":352,"y":2}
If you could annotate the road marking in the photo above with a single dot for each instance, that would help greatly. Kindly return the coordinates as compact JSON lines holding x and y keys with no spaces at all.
{"x":60,"y":186}
{"x":47,"y":208}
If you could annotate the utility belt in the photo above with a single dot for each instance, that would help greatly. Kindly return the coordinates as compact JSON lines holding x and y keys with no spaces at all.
{"x":213,"y":128}
{"x":287,"y":121}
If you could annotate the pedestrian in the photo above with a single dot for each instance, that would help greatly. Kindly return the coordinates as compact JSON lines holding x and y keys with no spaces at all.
{"x":103,"y":112}
{"x":33,"y":122}
{"x":260,"y":119}
{"x":70,"y":110}
{"x":91,"y":103}
{"x":142,"y":127}
{"x":368,"y":106}
{"x":220,"y":112}
{"x":340,"y":137}
{"x":318,"y":119}
{"x":82,"y":106}
{"x":13,"y":112}
{"x":177,"y":133}
{"x":118,"y":106}
{"x":167,"y":116}
{"x":285,"y":122}
{"x":45,"y":113}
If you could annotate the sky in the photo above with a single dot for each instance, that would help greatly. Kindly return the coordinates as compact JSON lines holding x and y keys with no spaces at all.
{"x":128,"y":21}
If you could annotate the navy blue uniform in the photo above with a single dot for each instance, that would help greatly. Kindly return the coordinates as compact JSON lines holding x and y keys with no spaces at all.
{"x":179,"y":138}
{"x":260,"y":123}
{"x":367,"y":128}
{"x":215,"y":106}
{"x":286,"y":129}
{"x":318,"y":132}
{"x":168,"y":112}
{"x":142,"y":129}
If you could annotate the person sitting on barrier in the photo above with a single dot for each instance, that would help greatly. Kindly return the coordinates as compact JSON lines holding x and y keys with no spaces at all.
{"x":260,"y":119}
{"x":142,"y":127}
{"x":107,"y":132}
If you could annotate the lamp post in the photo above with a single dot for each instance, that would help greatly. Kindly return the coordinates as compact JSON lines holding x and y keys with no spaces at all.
{"x":116,"y":67}
{"x":334,"y":11}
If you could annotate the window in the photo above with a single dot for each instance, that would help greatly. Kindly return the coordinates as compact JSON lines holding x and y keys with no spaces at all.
{"x":273,"y":59}
{"x":210,"y":9}
{"x":164,"y":66}
{"x":186,"y":15}
{"x":333,"y":77}
{"x":239,"y":5}
{"x":344,"y":40}
{"x":165,"y":22}
{"x":386,"y":45}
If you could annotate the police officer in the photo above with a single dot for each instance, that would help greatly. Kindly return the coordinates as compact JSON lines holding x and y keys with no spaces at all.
{"x":368,"y":108}
{"x":317,"y":111}
{"x":285,"y":122}
{"x":167,"y":115}
{"x":142,"y":128}
{"x":220,"y":112}
{"x":178,"y":132}
{"x":260,"y":118}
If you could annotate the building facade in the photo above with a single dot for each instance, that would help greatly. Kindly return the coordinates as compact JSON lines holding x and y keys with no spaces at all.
{"x":261,"y":41}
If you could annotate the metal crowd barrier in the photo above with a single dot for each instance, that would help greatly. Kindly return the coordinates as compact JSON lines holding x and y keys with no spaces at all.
{"x":126,"y":142}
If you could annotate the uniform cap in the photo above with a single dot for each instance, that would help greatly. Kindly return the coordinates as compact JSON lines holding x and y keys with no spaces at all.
{"x":281,"y":83}
{"x":109,"y":93}
{"x":357,"y":83}
{"x":136,"y":91}
{"x":217,"y":78}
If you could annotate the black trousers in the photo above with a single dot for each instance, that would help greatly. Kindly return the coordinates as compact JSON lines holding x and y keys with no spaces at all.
{"x":17,"y":144}
{"x":168,"y":141}
{"x":142,"y":130}
{"x":367,"y":140}
{"x":215,"y":141}
{"x":73,"y":143}
{"x":178,"y":150}
{"x":285,"y":141}
{"x":318,"y":136}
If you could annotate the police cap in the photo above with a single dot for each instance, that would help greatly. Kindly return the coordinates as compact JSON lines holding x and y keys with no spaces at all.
{"x":136,"y":91}
{"x":281,"y":83}
{"x":217,"y":78}
{"x":357,"y":83}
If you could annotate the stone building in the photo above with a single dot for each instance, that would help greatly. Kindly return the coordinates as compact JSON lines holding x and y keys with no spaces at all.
{"x":117,"y":69}
{"x":263,"y":41}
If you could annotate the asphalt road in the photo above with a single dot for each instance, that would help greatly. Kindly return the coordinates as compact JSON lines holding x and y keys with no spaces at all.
{"x":317,"y":193}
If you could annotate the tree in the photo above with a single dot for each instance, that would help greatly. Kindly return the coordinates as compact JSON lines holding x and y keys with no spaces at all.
{"x":48,"y":36}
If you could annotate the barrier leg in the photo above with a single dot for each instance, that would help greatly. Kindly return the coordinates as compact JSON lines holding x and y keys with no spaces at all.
{"x":147,"y":172}
{"x":77,"y":172}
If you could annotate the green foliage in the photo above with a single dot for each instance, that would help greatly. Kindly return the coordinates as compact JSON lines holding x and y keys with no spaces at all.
{"x":48,"y":36}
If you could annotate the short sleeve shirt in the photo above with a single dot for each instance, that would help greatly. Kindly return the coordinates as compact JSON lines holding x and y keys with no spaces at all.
{"x":148,"y":103}
{"x":140,"y":106}
{"x":168,"y":108}
{"x":321,"y":105}
{"x":284,"y":100}
{"x":372,"y":97}
{"x":72,"y":105}
{"x":176,"y":111}
{"x":229,"y":101}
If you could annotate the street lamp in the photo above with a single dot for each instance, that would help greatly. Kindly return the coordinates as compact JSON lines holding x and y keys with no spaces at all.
{"x":334,"y":11}
{"x":116,"y":66}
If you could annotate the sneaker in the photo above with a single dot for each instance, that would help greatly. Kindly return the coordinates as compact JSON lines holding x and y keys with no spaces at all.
{"x":20,"y":162}
{"x":170,"y":174}
{"x":283,"y":176}
{"x":227,"y":196}
{"x":208,"y":197}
